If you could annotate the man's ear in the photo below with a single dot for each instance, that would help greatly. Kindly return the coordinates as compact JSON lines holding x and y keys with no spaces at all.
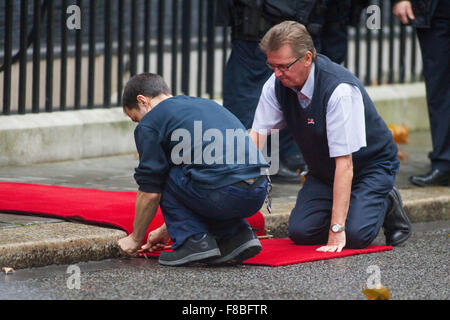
{"x":142,"y":100}
{"x":308,"y":60}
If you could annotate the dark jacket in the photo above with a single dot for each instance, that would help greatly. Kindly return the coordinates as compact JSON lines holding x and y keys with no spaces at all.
{"x":423,"y":12}
{"x":251,"y":19}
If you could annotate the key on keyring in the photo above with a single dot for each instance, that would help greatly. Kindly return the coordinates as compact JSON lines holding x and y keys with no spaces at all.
{"x":269,"y":195}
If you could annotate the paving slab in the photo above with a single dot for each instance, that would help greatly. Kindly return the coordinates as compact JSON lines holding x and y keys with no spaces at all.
{"x":56,"y":243}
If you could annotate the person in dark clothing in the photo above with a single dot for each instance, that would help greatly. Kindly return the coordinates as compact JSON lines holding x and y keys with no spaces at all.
{"x":246,"y":70}
{"x":349,"y":191}
{"x":432,"y":22}
{"x":197,"y":162}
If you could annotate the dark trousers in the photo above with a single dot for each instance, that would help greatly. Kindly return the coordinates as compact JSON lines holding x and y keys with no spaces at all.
{"x":309,"y":222}
{"x":435,"y":47}
{"x":332,"y":41}
{"x":189,"y":210}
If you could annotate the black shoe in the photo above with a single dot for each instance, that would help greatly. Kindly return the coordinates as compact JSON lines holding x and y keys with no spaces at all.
{"x":286,"y":175}
{"x":397,"y":227}
{"x":435,"y":177}
{"x":244,"y":245}
{"x":191,"y":251}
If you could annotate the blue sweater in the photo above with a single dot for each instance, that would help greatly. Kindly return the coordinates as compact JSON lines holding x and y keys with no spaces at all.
{"x":205,"y":139}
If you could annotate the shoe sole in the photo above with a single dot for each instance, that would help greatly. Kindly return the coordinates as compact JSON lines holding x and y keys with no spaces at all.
{"x":397,"y":196}
{"x":243,"y":252}
{"x":421,"y":184}
{"x":195,"y":257}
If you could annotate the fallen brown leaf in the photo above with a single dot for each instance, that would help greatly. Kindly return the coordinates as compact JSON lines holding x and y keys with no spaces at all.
{"x":400,"y":133}
{"x":7,"y":270}
{"x":378,"y":293}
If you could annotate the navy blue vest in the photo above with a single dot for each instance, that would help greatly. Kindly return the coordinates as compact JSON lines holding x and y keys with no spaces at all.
{"x":308,"y":126}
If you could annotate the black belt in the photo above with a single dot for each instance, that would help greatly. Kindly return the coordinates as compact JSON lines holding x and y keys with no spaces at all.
{"x":245,"y":185}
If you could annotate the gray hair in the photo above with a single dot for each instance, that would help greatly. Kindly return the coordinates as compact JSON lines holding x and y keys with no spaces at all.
{"x":292,"y":33}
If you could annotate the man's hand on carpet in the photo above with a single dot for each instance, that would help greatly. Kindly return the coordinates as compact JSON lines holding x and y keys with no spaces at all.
{"x":157,"y":239}
{"x":336,"y":242}
{"x":129,"y":245}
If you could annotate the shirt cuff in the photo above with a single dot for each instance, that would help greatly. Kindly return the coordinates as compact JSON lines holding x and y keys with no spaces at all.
{"x":150,"y":188}
{"x":339,"y":152}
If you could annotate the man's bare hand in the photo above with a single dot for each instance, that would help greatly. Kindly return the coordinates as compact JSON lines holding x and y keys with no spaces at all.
{"x":336,"y":242}
{"x":157,"y":239}
{"x":403,"y":11}
{"x":129,"y":245}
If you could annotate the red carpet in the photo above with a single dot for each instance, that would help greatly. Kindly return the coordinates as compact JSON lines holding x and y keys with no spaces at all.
{"x":116,"y":209}
{"x":281,"y":252}
{"x":106,"y":208}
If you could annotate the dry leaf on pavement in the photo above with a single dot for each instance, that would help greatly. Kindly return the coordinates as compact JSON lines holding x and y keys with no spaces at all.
{"x":378,"y":293}
{"x":7,"y":270}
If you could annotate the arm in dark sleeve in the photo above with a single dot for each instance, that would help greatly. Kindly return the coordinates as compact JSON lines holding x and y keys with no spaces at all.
{"x":223,"y":13}
{"x":153,"y":167}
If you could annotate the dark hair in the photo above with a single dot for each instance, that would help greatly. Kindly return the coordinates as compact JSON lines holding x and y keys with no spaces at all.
{"x":146,"y":84}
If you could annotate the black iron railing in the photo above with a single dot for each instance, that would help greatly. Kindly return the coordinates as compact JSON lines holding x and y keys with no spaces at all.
{"x":47,"y":66}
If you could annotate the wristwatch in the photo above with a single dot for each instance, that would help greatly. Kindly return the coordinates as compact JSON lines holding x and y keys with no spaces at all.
{"x":337,"y":228}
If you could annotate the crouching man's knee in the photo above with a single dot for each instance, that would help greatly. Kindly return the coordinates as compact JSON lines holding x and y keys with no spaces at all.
{"x":306,"y":236}
{"x":357,"y":238}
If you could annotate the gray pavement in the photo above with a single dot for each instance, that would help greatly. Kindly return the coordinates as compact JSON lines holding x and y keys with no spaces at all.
{"x":418,"y":270}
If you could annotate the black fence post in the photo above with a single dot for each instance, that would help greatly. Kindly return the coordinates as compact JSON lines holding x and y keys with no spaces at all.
{"x":63,"y":72}
{"x":49,"y":59}
{"x":402,"y":52}
{"x":174,"y":46}
{"x":160,"y":37}
{"x":413,"y":54}
{"x":120,"y":50}
{"x":391,"y":48}
{"x":147,"y":36}
{"x":7,"y":57}
{"x":23,"y":56}
{"x":36,"y":55}
{"x":78,"y":61}
{"x":380,"y":47}
{"x":200,"y":47}
{"x":134,"y":37}
{"x":368,"y":76}
{"x":91,"y":59}
{"x":107,"y":56}
{"x":186,"y":46}
{"x":210,"y":27}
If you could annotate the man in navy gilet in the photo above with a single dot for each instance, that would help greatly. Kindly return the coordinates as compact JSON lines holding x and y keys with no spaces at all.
{"x":192,"y":164}
{"x":349,"y":191}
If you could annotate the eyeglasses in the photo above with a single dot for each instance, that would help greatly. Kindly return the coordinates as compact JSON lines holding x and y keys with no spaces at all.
{"x":281,"y":67}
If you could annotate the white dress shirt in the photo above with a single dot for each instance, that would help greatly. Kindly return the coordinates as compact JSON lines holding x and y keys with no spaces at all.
{"x":345,"y":122}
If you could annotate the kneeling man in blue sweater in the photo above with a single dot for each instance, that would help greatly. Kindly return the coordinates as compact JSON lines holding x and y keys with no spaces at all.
{"x":197,"y":162}
{"x":349,"y":192}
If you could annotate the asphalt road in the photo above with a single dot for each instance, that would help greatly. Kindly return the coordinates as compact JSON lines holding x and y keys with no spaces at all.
{"x":417,"y":270}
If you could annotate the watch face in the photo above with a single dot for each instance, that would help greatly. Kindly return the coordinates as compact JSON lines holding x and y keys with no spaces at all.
{"x":336,"y":228}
